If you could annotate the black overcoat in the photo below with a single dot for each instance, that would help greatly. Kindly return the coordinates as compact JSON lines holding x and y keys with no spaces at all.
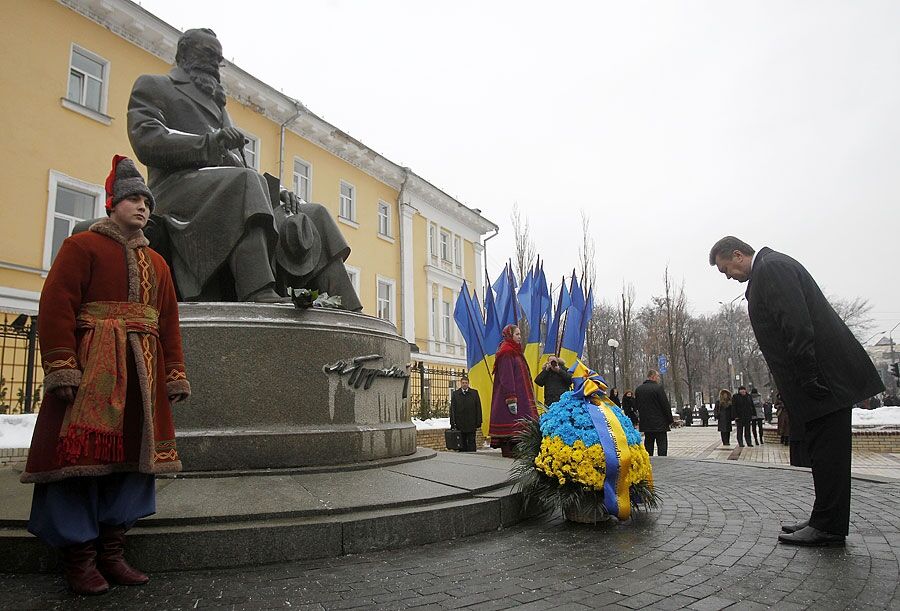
{"x":465,"y":410}
{"x":555,"y":383}
{"x":742,"y":407}
{"x":654,"y":409}
{"x":723,"y":416}
{"x":803,"y":338}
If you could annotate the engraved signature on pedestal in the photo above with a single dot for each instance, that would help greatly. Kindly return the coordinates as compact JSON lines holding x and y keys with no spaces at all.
{"x":361,"y":376}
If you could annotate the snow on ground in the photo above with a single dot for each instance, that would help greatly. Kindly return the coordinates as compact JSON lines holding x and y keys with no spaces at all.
{"x":882,"y":416}
{"x":15,"y":431}
{"x":431,"y":423}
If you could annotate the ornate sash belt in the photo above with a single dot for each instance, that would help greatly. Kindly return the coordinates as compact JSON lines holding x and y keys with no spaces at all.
{"x":93,"y":424}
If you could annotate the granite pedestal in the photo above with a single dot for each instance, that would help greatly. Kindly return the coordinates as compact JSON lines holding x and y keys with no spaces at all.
{"x":278,"y":387}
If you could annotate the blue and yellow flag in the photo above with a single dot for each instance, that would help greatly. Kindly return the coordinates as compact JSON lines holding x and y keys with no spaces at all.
{"x":537,"y":312}
{"x":479,"y":353}
{"x":572,"y":342}
{"x":551,"y":342}
{"x":471,"y":326}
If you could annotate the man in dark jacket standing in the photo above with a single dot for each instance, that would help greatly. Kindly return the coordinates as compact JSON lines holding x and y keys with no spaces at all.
{"x":742,"y":408}
{"x":819,"y":367}
{"x":655,"y":413}
{"x":465,"y":413}
{"x":555,"y":379}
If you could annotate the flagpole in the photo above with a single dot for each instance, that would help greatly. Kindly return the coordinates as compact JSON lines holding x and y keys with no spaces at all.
{"x":563,"y":328}
{"x":480,"y":344}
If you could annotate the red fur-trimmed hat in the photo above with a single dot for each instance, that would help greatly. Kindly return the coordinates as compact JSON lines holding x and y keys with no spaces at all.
{"x":123,"y":181}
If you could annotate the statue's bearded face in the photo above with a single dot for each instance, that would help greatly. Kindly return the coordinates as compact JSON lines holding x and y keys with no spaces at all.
{"x":201,"y":61}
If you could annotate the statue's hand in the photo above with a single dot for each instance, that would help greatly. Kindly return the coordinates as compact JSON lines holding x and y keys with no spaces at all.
{"x":231,"y":138}
{"x":290,"y":200}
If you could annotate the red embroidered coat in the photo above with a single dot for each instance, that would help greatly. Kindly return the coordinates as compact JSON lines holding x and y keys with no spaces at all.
{"x":512,"y":384}
{"x":99,"y":268}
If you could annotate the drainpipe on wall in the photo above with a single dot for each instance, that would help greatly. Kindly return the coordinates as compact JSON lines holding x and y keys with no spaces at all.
{"x":403,"y":253}
{"x":298,"y":107}
{"x":486,"y":275}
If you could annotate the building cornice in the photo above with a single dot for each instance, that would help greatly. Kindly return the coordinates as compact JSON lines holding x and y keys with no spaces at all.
{"x":144,"y":29}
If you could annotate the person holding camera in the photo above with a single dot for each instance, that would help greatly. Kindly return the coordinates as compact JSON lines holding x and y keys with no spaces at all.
{"x":555,"y":379}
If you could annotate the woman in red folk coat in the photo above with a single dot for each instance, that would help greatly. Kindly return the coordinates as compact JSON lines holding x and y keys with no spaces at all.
{"x":513,"y":398}
{"x":112,"y":357}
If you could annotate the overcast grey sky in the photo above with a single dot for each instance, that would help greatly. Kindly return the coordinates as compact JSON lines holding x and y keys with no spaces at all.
{"x":672,"y":123}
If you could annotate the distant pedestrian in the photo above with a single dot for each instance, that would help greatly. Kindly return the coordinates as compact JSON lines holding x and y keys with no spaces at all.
{"x":767,"y":411}
{"x":614,"y":397}
{"x":555,"y":378}
{"x":655,"y":413}
{"x":629,"y":408}
{"x":724,"y":416}
{"x":820,"y":368}
{"x":784,"y":421}
{"x":758,"y":416}
{"x":742,"y":408}
{"x":687,"y":414}
{"x":465,"y":413}
{"x":704,"y":414}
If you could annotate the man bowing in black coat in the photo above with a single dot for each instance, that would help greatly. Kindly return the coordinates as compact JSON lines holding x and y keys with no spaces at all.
{"x":465,"y":413}
{"x":819,"y":367}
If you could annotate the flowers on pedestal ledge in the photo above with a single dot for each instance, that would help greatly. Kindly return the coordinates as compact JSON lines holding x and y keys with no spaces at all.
{"x":584,"y":456}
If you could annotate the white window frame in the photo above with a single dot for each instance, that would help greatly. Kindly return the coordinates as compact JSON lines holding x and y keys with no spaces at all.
{"x":354,"y":274}
{"x":444,"y":244}
{"x":347,"y":201}
{"x":98,"y":114}
{"x":58,"y":179}
{"x":384,"y":220}
{"x":308,"y":178}
{"x":457,"y":250}
{"x":254,"y":154}
{"x":392,"y":305}
{"x":446,"y":322}
{"x":432,"y":240}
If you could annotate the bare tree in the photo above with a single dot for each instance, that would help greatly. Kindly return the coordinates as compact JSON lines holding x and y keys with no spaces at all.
{"x":526,"y":252}
{"x":627,"y":326}
{"x":856,"y":314}
{"x":674,"y":304}
{"x":598,"y":326}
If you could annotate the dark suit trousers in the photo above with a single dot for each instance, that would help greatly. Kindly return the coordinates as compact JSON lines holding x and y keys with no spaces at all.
{"x":743,"y":433}
{"x":468,"y":441}
{"x":830,"y":447}
{"x":662,"y":442}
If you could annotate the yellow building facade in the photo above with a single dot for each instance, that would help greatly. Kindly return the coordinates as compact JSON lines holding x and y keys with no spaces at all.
{"x":67,"y":71}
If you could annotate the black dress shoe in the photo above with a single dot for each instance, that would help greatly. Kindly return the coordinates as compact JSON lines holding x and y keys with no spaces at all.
{"x":792,"y":528}
{"x":811,"y":537}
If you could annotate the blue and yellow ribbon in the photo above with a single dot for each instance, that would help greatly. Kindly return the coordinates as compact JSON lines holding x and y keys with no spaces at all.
{"x":590,"y":386}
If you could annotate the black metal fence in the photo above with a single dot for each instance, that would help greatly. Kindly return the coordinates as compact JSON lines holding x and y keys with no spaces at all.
{"x":429,"y":389}
{"x":21,"y":376}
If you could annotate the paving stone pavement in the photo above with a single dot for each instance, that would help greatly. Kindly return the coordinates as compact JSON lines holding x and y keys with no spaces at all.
{"x":705,"y":442}
{"x":712,"y":545}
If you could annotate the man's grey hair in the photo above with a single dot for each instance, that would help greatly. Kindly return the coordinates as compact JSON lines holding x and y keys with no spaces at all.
{"x":652,"y":373}
{"x":726,"y":246}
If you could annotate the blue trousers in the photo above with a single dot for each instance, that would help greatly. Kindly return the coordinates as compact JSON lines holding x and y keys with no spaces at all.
{"x":72,"y":510}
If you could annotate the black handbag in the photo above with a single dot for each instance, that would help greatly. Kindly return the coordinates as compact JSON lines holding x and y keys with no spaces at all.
{"x":453,"y":439}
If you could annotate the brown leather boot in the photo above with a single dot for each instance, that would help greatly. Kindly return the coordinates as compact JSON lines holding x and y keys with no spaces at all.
{"x":112,"y":558}
{"x":80,"y":569}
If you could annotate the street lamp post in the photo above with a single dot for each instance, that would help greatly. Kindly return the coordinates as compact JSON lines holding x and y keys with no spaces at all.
{"x":612,"y":343}
{"x":891,"y":336}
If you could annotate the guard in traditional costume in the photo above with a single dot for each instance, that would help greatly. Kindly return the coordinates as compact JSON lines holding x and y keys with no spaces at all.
{"x":113,"y":365}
